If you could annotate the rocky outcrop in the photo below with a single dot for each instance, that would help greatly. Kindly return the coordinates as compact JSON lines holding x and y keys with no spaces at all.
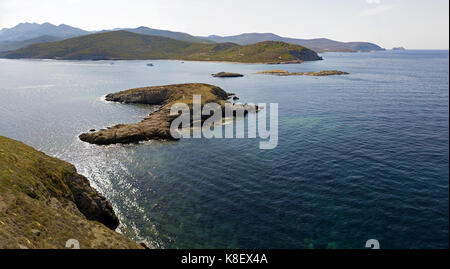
{"x":44,"y":203}
{"x":157,"y":125}
{"x":90,"y":202}
{"x":227,"y":75}
{"x":286,"y":73}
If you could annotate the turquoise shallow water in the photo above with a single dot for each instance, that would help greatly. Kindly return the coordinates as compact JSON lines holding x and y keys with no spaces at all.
{"x":359,"y":157}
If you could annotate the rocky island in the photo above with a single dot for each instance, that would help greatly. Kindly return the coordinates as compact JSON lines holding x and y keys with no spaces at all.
{"x":156,"y":126}
{"x":227,"y":75}
{"x":286,"y":73}
{"x":44,"y":202}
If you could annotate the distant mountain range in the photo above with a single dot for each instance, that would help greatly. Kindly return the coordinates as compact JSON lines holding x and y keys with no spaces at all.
{"x":124,"y":45}
{"x":318,"y":44}
{"x":25,"y":34}
{"x":174,"y":35}
{"x":25,"y":31}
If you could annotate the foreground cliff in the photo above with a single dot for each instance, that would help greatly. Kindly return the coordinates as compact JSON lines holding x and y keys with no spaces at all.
{"x":44,"y":203}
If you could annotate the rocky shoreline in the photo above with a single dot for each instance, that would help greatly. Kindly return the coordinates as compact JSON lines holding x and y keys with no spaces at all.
{"x":319,"y":73}
{"x":156,"y":126}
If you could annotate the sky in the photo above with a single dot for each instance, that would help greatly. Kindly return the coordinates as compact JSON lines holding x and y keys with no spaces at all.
{"x":414,"y":24}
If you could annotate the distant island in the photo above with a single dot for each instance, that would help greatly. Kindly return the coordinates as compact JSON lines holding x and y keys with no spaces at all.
{"x":398,"y":48}
{"x":123,"y":45}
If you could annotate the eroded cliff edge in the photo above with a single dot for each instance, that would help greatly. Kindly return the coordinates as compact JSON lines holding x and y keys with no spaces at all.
{"x":157,"y":125}
{"x":44,"y":202}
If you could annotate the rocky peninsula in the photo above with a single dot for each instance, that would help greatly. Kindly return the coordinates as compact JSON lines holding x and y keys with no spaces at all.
{"x":286,"y":73}
{"x":44,"y":202}
{"x":156,"y":126}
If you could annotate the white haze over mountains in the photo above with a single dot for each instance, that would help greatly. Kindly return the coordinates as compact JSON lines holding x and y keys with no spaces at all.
{"x":414,"y":24}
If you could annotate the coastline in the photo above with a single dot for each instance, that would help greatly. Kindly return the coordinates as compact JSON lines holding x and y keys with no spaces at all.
{"x":208,"y":61}
{"x":174,"y":60}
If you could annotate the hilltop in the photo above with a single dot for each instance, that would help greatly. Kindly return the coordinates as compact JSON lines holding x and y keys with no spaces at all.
{"x":165,"y":33}
{"x":130,"y":46}
{"x":26,"y":31}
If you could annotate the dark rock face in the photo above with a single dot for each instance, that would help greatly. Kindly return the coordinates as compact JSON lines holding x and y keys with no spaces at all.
{"x":227,"y":75}
{"x":144,"y":245}
{"x":92,"y":204}
{"x":307,"y":55}
{"x":155,"y":97}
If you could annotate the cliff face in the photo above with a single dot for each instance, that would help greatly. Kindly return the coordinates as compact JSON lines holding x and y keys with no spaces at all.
{"x":44,"y":202}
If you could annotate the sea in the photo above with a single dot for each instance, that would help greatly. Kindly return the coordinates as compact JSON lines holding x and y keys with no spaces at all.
{"x":359,"y":156}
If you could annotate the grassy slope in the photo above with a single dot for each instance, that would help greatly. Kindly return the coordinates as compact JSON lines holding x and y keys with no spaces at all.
{"x":129,"y":46}
{"x":34,"y":195}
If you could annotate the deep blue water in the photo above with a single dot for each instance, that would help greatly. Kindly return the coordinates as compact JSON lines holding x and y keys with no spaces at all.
{"x":359,"y":157}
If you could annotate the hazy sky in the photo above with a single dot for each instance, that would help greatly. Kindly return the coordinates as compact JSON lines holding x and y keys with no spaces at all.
{"x":415,"y":24}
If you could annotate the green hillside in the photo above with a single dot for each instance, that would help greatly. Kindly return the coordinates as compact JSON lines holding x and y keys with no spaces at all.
{"x":130,"y":46}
